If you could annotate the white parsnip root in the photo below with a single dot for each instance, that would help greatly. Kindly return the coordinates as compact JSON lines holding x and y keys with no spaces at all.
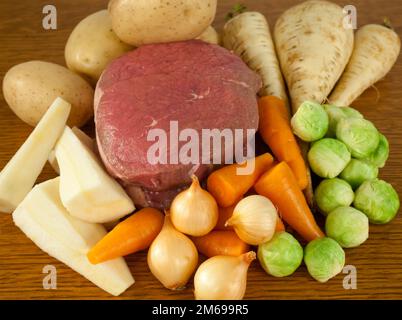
{"x":248,"y":36}
{"x":376,"y":50}
{"x":313,"y":48}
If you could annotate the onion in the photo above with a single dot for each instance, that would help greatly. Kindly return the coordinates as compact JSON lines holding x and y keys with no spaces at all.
{"x":223,"y":277}
{"x":194,"y":211}
{"x":172,"y":257}
{"x":254,"y":219}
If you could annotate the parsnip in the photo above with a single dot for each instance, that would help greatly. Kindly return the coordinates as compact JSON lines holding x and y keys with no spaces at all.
{"x":43,"y":219}
{"x":19,"y":175}
{"x":314,"y":48}
{"x":86,"y":190}
{"x":84,"y":138}
{"x":248,"y":35}
{"x":376,"y":50}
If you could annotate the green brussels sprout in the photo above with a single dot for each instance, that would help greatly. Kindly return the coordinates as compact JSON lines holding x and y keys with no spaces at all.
{"x":328,"y":157}
{"x":310,"y":122}
{"x":280,"y":256}
{"x":335,"y":114}
{"x":359,"y":135}
{"x":324,"y":258}
{"x":351,"y":113}
{"x":358,"y":171}
{"x":347,"y":226}
{"x":380,"y":155}
{"x":333,"y":193}
{"x":378,"y":200}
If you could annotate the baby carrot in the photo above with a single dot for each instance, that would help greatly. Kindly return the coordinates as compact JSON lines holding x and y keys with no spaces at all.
{"x":275,"y":130}
{"x":218,"y":243}
{"x":131,"y":235}
{"x":279,"y":225}
{"x":280,"y":186}
{"x":226,"y":184}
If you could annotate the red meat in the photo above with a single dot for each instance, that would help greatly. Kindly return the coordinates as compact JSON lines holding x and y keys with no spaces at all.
{"x":199,"y":85}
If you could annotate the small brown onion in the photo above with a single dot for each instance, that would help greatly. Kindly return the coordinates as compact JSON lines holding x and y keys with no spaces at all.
{"x":223,"y":277}
{"x":172,"y":257}
{"x":254,"y":219}
{"x":194,"y":211}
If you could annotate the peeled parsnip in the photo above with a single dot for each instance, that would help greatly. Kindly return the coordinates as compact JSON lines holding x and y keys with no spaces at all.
{"x":376,"y":50}
{"x":248,"y":35}
{"x":313,"y":48}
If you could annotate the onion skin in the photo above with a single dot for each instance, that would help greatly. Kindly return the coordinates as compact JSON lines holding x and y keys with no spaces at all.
{"x":254,"y":220}
{"x":172,"y":257}
{"x":194,"y":211}
{"x":223,"y":277}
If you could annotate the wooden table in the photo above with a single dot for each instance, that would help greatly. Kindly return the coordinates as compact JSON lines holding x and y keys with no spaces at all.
{"x":378,"y":261}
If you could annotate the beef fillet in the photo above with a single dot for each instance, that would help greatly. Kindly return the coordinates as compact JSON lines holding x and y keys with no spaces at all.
{"x":199,"y":85}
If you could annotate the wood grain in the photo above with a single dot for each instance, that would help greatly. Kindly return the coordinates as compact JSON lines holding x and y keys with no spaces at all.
{"x":378,"y":261}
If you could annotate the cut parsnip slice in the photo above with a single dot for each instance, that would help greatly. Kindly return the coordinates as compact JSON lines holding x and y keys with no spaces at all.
{"x":86,"y":190}
{"x":42,"y":217}
{"x":19,"y":175}
{"x":84,"y":138}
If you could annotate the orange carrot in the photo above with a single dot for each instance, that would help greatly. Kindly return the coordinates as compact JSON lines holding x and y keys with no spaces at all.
{"x":280,"y":186}
{"x":224,"y":215}
{"x":134,"y":234}
{"x":228,"y":186}
{"x":218,"y":243}
{"x":275,"y":130}
{"x":279,"y":225}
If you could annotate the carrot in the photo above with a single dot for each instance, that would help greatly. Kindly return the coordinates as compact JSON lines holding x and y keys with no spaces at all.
{"x":224,"y":215}
{"x":376,"y":51}
{"x":279,"y":225}
{"x":274,"y":128}
{"x":218,"y":243}
{"x":134,"y":234}
{"x":228,"y":186}
{"x":280,"y":186}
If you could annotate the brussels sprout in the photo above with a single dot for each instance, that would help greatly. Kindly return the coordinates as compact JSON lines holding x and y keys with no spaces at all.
{"x":351,"y":113}
{"x":335,"y":114}
{"x":378,"y":200}
{"x":347,"y":226}
{"x":310,"y":122}
{"x":358,"y":171}
{"x":280,"y":256}
{"x":380,"y":155}
{"x":333,"y":193}
{"x":359,"y":135}
{"x":328,"y":157}
{"x":324,"y":258}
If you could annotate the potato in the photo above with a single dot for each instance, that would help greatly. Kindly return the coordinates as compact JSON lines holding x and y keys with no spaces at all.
{"x":92,"y":45}
{"x":30,"y":88}
{"x":210,"y":35}
{"x":140,"y":22}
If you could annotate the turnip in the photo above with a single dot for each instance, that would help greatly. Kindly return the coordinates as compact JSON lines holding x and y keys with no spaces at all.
{"x":248,"y":35}
{"x":376,"y":51}
{"x":314,"y":48}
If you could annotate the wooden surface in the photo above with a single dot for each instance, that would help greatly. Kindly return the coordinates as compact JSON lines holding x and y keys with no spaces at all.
{"x":378,"y":261}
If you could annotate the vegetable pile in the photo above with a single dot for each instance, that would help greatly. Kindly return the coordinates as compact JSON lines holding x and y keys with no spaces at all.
{"x":234,"y":218}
